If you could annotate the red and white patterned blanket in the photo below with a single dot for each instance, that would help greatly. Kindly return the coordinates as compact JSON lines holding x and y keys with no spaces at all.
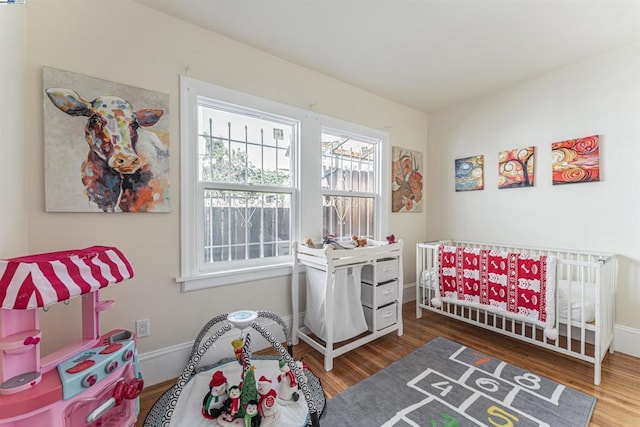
{"x":519,"y":286}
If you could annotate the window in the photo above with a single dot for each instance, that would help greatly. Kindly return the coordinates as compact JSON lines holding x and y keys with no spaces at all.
{"x":349,"y":185}
{"x":246,"y":178}
{"x":257,"y":176}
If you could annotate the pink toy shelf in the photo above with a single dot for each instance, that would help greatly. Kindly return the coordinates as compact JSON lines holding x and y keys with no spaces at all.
{"x":92,"y":382}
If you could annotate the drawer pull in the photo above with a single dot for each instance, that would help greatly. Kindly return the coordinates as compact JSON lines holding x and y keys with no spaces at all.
{"x":384,"y":315}
{"x":387,"y":291}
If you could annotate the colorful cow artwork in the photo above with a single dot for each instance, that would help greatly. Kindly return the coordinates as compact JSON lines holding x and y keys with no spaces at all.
{"x":126,"y":168}
{"x":116,"y":176}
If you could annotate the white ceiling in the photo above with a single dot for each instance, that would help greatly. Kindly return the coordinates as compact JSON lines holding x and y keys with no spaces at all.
{"x":425,"y":54}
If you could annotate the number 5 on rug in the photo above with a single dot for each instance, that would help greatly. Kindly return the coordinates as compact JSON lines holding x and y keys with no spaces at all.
{"x":502,"y":414}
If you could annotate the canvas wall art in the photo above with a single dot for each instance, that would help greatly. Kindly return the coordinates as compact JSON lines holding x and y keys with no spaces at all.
{"x":470,"y":173}
{"x":576,"y":160}
{"x":106,"y":145}
{"x":515,"y":168}
{"x":406,"y":181}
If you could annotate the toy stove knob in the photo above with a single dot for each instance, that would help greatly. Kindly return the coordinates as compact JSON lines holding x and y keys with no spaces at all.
{"x":89,"y":380}
{"x":127,"y":355}
{"x":111,"y":366}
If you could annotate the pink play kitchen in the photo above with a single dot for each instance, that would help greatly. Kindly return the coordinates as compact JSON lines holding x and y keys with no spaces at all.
{"x":93,"y":382}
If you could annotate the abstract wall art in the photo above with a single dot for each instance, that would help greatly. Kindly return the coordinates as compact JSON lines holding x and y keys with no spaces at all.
{"x":406,"y":180}
{"x":576,"y":160}
{"x":470,"y":173}
{"x":106,"y":145}
{"x":515,"y":168}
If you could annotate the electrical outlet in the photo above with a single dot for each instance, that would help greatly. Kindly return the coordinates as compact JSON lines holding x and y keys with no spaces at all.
{"x":143,"y":328}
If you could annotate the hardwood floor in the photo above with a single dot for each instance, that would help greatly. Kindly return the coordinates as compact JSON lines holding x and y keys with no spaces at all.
{"x":618,"y":394}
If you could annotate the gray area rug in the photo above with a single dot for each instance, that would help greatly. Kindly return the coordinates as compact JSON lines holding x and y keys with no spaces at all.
{"x":447,"y":384}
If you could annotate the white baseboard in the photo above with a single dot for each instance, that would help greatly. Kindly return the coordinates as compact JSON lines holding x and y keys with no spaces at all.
{"x":167,"y":363}
{"x":409,"y":292}
{"x":626,"y":340}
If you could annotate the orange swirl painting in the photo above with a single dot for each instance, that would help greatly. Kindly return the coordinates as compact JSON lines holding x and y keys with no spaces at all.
{"x":515,"y":168}
{"x":576,"y":160}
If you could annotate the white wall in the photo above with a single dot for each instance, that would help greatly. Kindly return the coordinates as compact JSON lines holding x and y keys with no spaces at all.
{"x":13,"y":224}
{"x":126,"y":42}
{"x":598,"y":96}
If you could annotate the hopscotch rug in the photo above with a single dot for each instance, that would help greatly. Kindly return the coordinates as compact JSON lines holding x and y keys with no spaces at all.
{"x":446,"y":384}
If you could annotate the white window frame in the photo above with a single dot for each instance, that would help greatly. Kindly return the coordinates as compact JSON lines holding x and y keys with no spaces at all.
{"x":202,"y":186}
{"x":193,"y":274}
{"x":378,"y":183}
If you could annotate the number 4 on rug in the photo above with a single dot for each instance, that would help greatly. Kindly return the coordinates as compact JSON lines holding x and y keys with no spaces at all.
{"x":444,"y":386}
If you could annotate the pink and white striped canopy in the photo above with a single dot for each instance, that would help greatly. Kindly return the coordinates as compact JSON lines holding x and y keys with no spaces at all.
{"x":40,"y":280}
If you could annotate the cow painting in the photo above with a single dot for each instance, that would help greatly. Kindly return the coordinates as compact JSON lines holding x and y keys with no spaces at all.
{"x":126,"y":167}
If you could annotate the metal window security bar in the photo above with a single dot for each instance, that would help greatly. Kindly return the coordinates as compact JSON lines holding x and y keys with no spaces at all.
{"x":246,"y":186}
{"x":349,"y":186}
{"x":246,"y":225}
{"x":345,"y":216}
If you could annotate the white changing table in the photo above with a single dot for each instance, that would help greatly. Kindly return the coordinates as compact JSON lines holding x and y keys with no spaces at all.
{"x":381,"y":292}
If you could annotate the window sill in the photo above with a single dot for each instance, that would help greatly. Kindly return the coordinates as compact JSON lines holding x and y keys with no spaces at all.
{"x":195,"y":282}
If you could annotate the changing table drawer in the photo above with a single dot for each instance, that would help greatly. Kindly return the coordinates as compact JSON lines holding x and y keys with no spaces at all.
{"x":385,"y":316}
{"x":384,"y":293}
{"x":384,"y":271}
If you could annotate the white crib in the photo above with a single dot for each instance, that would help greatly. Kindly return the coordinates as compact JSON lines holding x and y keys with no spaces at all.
{"x":584,"y":300}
